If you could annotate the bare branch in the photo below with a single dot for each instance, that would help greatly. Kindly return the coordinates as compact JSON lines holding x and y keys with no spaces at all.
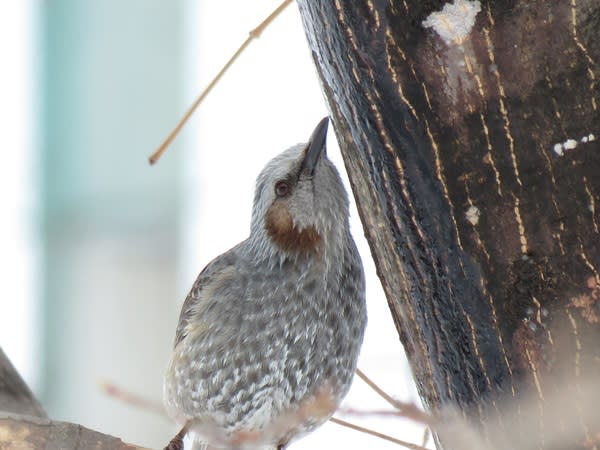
{"x":376,"y":434}
{"x":254,"y":34}
{"x":408,"y":410}
{"x":112,"y":390}
{"x":22,"y":431}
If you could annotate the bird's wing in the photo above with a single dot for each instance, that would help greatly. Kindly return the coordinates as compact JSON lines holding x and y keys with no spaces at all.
{"x":217,"y":272}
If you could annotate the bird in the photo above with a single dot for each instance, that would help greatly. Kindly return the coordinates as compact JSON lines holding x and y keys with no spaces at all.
{"x":269,"y":335}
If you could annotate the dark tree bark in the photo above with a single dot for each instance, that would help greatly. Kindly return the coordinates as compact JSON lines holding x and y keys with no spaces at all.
{"x":25,"y":425}
{"x":15,"y":396}
{"x":473,"y":150}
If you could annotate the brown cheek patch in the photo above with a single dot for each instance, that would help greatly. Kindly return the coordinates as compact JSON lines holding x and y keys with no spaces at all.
{"x":281,"y":229}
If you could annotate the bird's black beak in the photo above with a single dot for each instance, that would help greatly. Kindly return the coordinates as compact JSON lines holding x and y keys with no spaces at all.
{"x":315,"y":148}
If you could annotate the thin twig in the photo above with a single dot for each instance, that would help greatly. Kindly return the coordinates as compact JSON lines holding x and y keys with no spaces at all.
{"x":408,"y":410}
{"x":370,"y":412}
{"x":254,"y":34}
{"x":148,"y":405}
{"x":132,"y":399}
{"x":376,"y":434}
{"x":388,"y":398}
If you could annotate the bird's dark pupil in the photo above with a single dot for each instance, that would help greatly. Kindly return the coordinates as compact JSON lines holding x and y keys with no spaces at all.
{"x":282,"y":188}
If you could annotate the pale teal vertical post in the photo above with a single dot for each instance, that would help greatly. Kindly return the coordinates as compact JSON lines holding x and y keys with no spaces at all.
{"x":112,"y":86}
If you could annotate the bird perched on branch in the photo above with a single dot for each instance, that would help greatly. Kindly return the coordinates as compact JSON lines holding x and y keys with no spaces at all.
{"x":269,"y":335}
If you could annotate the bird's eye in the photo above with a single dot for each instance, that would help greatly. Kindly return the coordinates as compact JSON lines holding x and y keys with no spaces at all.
{"x":282,"y":188}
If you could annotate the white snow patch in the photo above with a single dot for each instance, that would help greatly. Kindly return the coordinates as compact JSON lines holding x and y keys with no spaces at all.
{"x":473,"y":214}
{"x":455,"y":21}
{"x":570,"y":144}
{"x":560,"y":147}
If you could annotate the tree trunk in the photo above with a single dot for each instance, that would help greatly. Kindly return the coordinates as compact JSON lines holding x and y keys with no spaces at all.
{"x":471,"y":135}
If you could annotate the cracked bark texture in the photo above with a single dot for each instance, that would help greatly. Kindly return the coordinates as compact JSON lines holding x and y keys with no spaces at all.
{"x":474,"y":159}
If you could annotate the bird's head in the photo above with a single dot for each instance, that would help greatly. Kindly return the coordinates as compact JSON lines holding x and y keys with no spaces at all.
{"x":300,"y":203}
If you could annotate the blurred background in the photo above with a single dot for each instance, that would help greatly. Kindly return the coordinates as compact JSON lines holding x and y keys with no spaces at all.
{"x":98,"y":248}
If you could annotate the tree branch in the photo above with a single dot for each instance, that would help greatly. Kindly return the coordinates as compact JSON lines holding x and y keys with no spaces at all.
{"x":22,"y":431}
{"x":25,"y":424}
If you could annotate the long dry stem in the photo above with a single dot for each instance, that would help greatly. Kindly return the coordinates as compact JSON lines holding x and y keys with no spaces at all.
{"x":143,"y":403}
{"x":254,"y":34}
{"x":388,"y":398}
{"x":408,"y":410}
{"x":376,"y":434}
{"x":112,"y":390}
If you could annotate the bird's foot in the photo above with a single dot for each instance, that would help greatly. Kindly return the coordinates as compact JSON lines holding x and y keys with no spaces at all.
{"x":177,"y":442}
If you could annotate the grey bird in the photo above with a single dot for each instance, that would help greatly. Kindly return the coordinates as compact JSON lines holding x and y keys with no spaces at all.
{"x":269,"y":335}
